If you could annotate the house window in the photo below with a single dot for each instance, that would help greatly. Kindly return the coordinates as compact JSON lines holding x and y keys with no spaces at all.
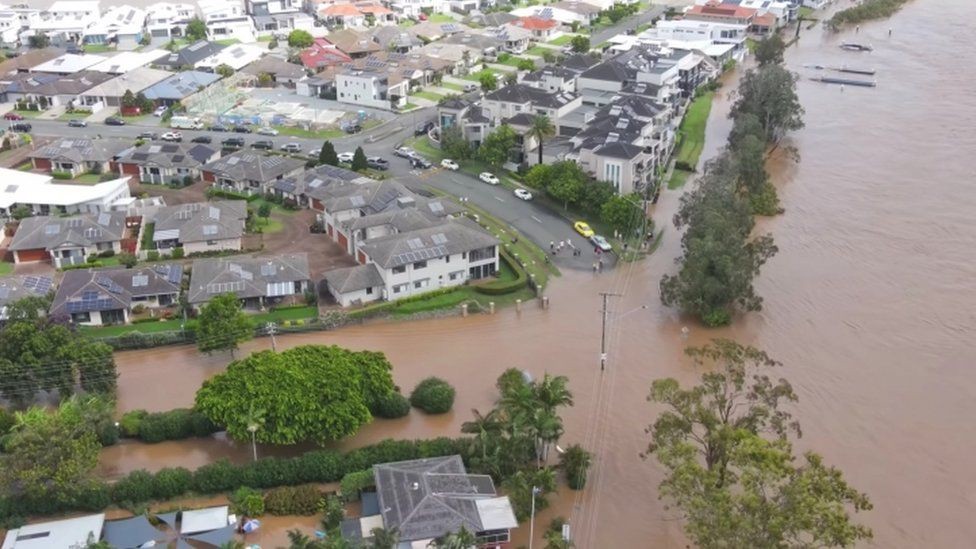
{"x":211,"y":243}
{"x":369,"y":291}
{"x":399,"y":270}
{"x":447,"y":259}
{"x":420,"y":265}
{"x":421,"y":283}
{"x":400,"y":287}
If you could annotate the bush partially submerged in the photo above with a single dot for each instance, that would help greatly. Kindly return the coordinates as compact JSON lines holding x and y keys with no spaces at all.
{"x":433,"y":395}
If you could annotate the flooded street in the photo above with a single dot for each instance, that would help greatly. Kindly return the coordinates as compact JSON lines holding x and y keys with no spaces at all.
{"x":869,"y":304}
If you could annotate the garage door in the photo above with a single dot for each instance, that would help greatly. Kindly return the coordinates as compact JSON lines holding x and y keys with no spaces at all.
{"x":32,"y":255}
{"x":343,"y":241}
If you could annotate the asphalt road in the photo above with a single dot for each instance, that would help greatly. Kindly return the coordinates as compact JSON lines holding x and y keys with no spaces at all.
{"x":629,"y":23}
{"x":532,"y":220}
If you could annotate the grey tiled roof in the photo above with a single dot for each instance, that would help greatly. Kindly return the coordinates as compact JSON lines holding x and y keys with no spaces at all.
{"x":352,"y":279}
{"x":403,"y":220}
{"x":618,"y":149}
{"x":169,"y":155}
{"x":83,"y":150}
{"x":452,"y":237}
{"x":249,"y":166}
{"x":200,"y":221}
{"x":190,"y":55}
{"x":371,"y":197}
{"x":522,"y":93}
{"x":579,"y":62}
{"x":14,"y":288}
{"x":275,"y":66}
{"x":315,"y":182}
{"x":86,"y":290}
{"x":181,"y":85}
{"x":245,"y":277}
{"x":72,"y":84}
{"x":48,"y":232}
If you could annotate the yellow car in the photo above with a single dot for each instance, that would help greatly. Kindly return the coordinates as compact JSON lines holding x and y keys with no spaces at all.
{"x":583,"y":229}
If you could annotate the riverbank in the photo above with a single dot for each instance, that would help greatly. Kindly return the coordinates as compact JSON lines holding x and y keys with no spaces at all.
{"x":867,"y":10}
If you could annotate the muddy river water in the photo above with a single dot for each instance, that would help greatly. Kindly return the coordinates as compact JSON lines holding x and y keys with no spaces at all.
{"x":869,"y":304}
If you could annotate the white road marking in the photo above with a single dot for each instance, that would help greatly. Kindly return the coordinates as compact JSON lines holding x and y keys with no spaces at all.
{"x":499,"y":199}
{"x":536,"y":219}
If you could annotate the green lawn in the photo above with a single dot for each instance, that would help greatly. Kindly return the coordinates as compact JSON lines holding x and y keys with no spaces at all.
{"x":96,"y":48}
{"x":73,"y":116}
{"x":692,"y":129}
{"x":451,"y":86}
{"x":272,"y":225}
{"x":311,"y":134}
{"x":430,"y":96}
{"x":88,"y":178}
{"x":476,"y":76}
{"x":440,"y":18}
{"x":24,"y":166}
{"x":464,"y":294}
{"x":6,"y":268}
{"x":806,"y":12}
{"x":267,"y":38}
{"x":563,"y":40}
{"x":28,"y":114}
{"x":228,"y":41}
{"x":512,"y":61}
{"x":540,"y":51}
{"x":678,"y":178}
{"x":410,"y":106}
{"x":295,"y":313}
{"x":406,"y":23}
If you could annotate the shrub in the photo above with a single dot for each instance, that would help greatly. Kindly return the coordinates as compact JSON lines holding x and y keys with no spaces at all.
{"x":218,"y":476}
{"x":174,"y":425}
{"x":575,"y":462}
{"x":433,"y":395}
{"x":292,"y":500}
{"x":391,"y":406}
{"x":247,"y":501}
{"x":107,"y":253}
{"x":352,"y":484}
{"x":177,"y":253}
{"x":136,"y":487}
{"x":334,"y":511}
{"x":129,"y":424}
{"x":107,"y":432}
{"x":61,"y":175}
{"x":172,"y":482}
{"x":128,"y":260}
{"x":7,"y":421}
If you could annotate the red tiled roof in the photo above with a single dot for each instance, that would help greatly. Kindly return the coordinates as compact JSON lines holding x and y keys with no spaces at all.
{"x":323,"y":54}
{"x":535,"y":23}
{"x":723,"y":10}
{"x":765,"y":20}
{"x":375,"y":9}
{"x":343,"y":10}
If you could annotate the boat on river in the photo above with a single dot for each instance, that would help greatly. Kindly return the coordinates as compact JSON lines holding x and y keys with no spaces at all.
{"x":854,"y":46}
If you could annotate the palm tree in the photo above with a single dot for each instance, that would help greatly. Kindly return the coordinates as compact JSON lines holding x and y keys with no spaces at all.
{"x":462,"y":539}
{"x":384,"y":539}
{"x":540,"y":129}
{"x":547,"y":427}
{"x":298,"y":540}
{"x":551,"y":392}
{"x":255,"y":420}
{"x":484,"y":426}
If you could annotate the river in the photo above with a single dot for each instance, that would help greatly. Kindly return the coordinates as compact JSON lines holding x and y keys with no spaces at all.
{"x":869,"y":304}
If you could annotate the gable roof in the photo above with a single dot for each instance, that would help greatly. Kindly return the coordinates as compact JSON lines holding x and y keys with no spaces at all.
{"x":29,"y":59}
{"x":352,"y":42}
{"x":68,"y":63}
{"x":247,"y":277}
{"x":127,"y":61}
{"x":15,"y":288}
{"x":135,"y":80}
{"x":313,"y":183}
{"x":72,"y":84}
{"x":535,"y":23}
{"x":248,"y":166}
{"x":191,"y":55}
{"x":276,"y":67}
{"x":83,"y":149}
{"x":180,"y":85}
{"x":87,"y":290}
{"x":48,"y":232}
{"x":323,"y":53}
{"x":578,"y":62}
{"x":352,"y":279}
{"x":452,"y":237}
{"x":523,"y":93}
{"x":169,"y":155}
{"x":369,"y":197}
{"x":200,"y":221}
{"x":433,"y":31}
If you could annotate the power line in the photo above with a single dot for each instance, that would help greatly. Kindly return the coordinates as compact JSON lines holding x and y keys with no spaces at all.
{"x":603,"y":334}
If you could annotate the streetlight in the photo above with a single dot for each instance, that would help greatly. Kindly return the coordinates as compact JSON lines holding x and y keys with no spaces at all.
{"x":252,"y":428}
{"x":535,"y":490}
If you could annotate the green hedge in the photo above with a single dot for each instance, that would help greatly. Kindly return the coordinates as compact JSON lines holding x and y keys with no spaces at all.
{"x":61,"y":175}
{"x":391,"y":406}
{"x":507,"y":286}
{"x":172,"y":425}
{"x":373,"y":310}
{"x":292,"y":500}
{"x":231,"y":195}
{"x":352,"y":484}
{"x":318,"y":466}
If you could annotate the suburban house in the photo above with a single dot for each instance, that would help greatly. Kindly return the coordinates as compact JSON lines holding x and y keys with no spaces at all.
{"x":719,"y":41}
{"x":413,"y":8}
{"x":27,"y":60}
{"x":15,"y":288}
{"x":542,"y":29}
{"x":396,"y":39}
{"x":278,"y":15}
{"x":163,"y":163}
{"x":281,"y":71}
{"x":407,"y":213}
{"x":514,"y":39}
{"x":322,"y":54}
{"x":342,"y":15}
{"x":569,"y":11}
{"x":199,"y":226}
{"x":189,"y":56}
{"x":469,"y":117}
{"x":73,"y":532}
{"x":342,"y":200}
{"x":110,"y":92}
{"x":371,"y":89}
{"x":66,"y":20}
{"x":236,"y":57}
{"x":308,"y":188}
{"x":68,"y":240}
{"x":649,"y":65}
{"x":517,"y":104}
{"x":54,"y":90}
{"x":493,"y":19}
{"x":42,"y":197}
{"x":128,"y":61}
{"x":427,"y":498}
{"x":356,"y":285}
{"x":628,"y":167}
{"x":98,"y":297}
{"x":430,"y":31}
{"x":245,"y":171}
{"x":179,"y":86}
{"x":168,"y":19}
{"x":122,"y":25}
{"x":718,"y":12}
{"x":485,"y":42}
{"x":77,"y":156}
{"x":226,"y":19}
{"x":68,"y":64}
{"x":259,"y":282}
{"x":354,"y":44}
{"x":551,"y":78}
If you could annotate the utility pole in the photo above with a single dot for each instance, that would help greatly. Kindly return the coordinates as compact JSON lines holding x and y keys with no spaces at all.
{"x":271,"y":332}
{"x":603,"y":335}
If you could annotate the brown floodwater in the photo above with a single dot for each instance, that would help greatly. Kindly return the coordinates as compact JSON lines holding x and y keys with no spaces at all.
{"x":869,"y":304}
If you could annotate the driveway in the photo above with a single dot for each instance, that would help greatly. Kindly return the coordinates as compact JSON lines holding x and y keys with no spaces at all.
{"x":323,"y":253}
{"x":628,"y":23}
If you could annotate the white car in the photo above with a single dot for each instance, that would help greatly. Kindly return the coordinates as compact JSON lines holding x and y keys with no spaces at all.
{"x":172,"y":136}
{"x":523,"y":194}
{"x":267,"y":131}
{"x":449,"y":164}
{"x":488,"y":178}
{"x":601,"y":243}
{"x":345,"y":157}
{"x":160,"y":111}
{"x":291,"y":148}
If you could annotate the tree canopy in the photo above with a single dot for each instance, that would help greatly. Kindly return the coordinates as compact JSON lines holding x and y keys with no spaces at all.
{"x":729,"y":464}
{"x":224,"y":70}
{"x":299,"y":39}
{"x":769,"y":93}
{"x":38,"y":41}
{"x":308,"y":393}
{"x":455,"y":145}
{"x":488,"y":81}
{"x":623,"y":214}
{"x":196,"y":29}
{"x":497,"y":146}
{"x":328,"y":154}
{"x":580,"y":44}
{"x":769,"y":50}
{"x":359,"y":162}
{"x":222,"y":325}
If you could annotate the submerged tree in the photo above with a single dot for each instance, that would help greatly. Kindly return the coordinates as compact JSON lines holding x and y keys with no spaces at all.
{"x":730,"y":465}
{"x":769,"y":94}
{"x":222,"y":325}
{"x":769,"y":50}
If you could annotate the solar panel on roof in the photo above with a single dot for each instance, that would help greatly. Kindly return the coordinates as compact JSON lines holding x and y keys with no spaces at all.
{"x":267,"y":269}
{"x":108,"y":284}
{"x":140,"y":280}
{"x":439,"y":238}
{"x":92,"y":232}
{"x":52,"y":229}
{"x":104,"y":219}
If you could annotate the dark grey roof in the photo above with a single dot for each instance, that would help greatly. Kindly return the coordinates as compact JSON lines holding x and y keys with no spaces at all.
{"x":72,"y":84}
{"x":454,"y":103}
{"x":610,"y":71}
{"x":493,"y":19}
{"x":190,"y":55}
{"x":275,"y":66}
{"x":370,"y":197}
{"x":427,"y":498}
{"x":476,"y":115}
{"x":249,"y":166}
{"x":557,"y":72}
{"x":579,"y":62}
{"x":181,"y":85}
{"x":477,"y":40}
{"x":49,"y":232}
{"x":169,"y":155}
{"x":641,"y":88}
{"x":15,"y":288}
{"x":582,"y":8}
{"x":393,"y":36}
{"x":131,"y":532}
{"x":453,"y":237}
{"x":520,"y":119}
{"x":215,"y":538}
{"x":83,"y":150}
{"x":618,"y":149}
{"x":315,"y":182}
{"x":352,"y":279}
{"x":246,"y":277}
{"x":522,"y":93}
{"x":200,"y":221}
{"x":402,"y":220}
{"x":86,"y":290}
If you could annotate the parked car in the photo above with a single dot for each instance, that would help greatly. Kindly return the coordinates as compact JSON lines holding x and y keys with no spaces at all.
{"x":583,"y":228}
{"x":77,"y":123}
{"x":291,"y":148}
{"x":377,"y":163}
{"x":420,"y":162}
{"x":240,"y":128}
{"x":488,"y":178}
{"x":422,"y":129}
{"x":172,"y":136}
{"x":233,"y":142}
{"x":267,"y":130}
{"x":264,"y":144}
{"x":218,"y":128}
{"x":470,"y":87}
{"x":152,"y":136}
{"x":345,"y":156}
{"x":353,"y":128}
{"x":12,"y":116}
{"x":202,"y":139}
{"x":601,"y":243}
{"x":160,"y":111}
{"x":449,"y":164}
{"x":23,"y":127}
{"x":404,"y":152}
{"x":523,"y":194}
{"x":114,"y":121}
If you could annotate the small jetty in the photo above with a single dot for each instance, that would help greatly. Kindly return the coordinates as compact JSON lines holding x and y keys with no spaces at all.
{"x":844,"y":68}
{"x":845,"y":81}
{"x":854,"y":46}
